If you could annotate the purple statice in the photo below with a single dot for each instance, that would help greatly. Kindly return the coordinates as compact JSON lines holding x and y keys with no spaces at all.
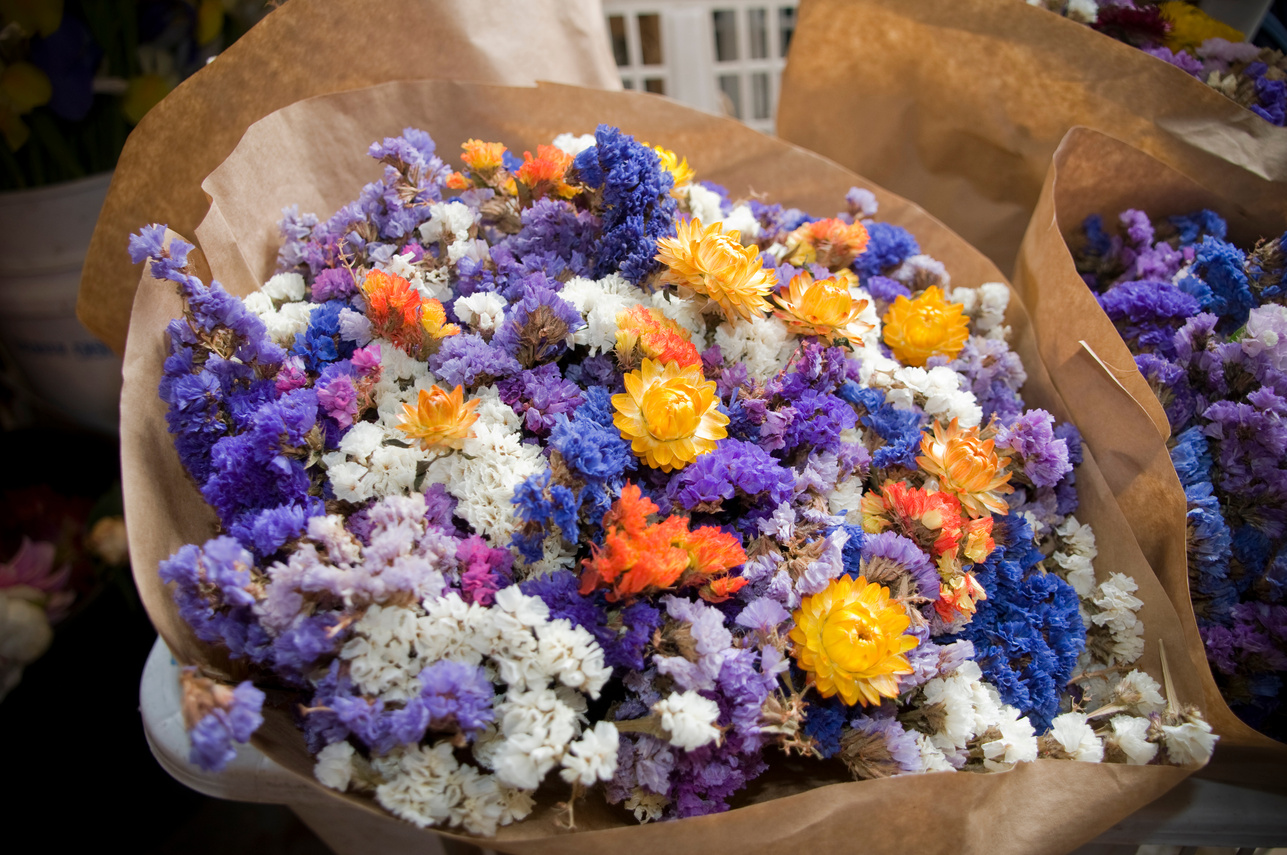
{"x":811,"y":420}
{"x":1250,"y":445}
{"x":598,"y":370}
{"x":815,"y":367}
{"x":540,"y":396}
{"x":888,"y":246}
{"x":1147,"y":313}
{"x":887,"y":558}
{"x":333,"y":283}
{"x":212,"y":588}
{"x":556,"y":238}
{"x":738,"y":480}
{"x":337,"y":396}
{"x":763,"y":615}
{"x":1271,"y":94}
{"x":644,"y":762}
{"x":636,"y":206}
{"x":993,"y":373}
{"x":623,"y":632}
{"x":483,"y":570}
{"x":877,"y":746}
{"x":776,"y":222}
{"x":1183,"y":60}
{"x":1031,"y":443}
{"x":1170,"y":385}
{"x":467,"y":360}
{"x":456,"y":696}
{"x":232,"y":721}
{"x":537,"y":328}
{"x":898,"y":430}
{"x":885,"y":290}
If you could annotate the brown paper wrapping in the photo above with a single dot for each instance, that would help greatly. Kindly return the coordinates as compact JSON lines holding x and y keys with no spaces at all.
{"x":307,"y":48}
{"x":1043,"y":807}
{"x":1090,"y":365}
{"x":958,"y":105}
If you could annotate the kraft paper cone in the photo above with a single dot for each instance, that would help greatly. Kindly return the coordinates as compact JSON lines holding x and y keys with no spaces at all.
{"x":1095,"y":374}
{"x":306,"y":48}
{"x":1042,"y":807}
{"x":959,"y":105}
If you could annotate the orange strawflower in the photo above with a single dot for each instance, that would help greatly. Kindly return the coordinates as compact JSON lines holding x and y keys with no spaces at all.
{"x":967,"y":467}
{"x":440,"y":420}
{"x":978,"y":539}
{"x":928,"y":326}
{"x":398,"y":313}
{"x":456,"y":181}
{"x":483,"y":158}
{"x":959,"y":596}
{"x":543,"y":175}
{"x":851,"y":640}
{"x":644,"y":331}
{"x":832,"y":242}
{"x":641,"y":558}
{"x":931,"y":519}
{"x":669,"y":414}
{"x":715,"y":264}
{"x":824,"y":308}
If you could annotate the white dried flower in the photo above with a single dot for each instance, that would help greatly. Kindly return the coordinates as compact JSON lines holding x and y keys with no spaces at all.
{"x":593,"y":757}
{"x":689,"y":718}
{"x":334,"y":766}
{"x":1072,"y":731}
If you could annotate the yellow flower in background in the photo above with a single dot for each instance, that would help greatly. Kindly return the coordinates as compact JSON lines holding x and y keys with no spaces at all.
{"x":669,"y":414}
{"x":714,"y":263}
{"x":143,"y":93}
{"x":209,"y":21}
{"x":34,"y":17}
{"x":25,"y":87}
{"x":967,"y":467}
{"x":824,"y":308}
{"x":677,"y":167}
{"x":440,"y":419}
{"x":928,"y":326}
{"x":850,"y":638}
{"x":1190,"y":26}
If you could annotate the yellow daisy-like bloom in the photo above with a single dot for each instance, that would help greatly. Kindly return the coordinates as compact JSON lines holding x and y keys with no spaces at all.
{"x":824,"y":308}
{"x":928,"y":326}
{"x":1190,"y":26}
{"x":677,"y":167}
{"x":440,"y":419}
{"x":433,"y":318}
{"x":850,"y":638}
{"x":713,"y":262}
{"x":967,"y":467}
{"x":669,"y":414}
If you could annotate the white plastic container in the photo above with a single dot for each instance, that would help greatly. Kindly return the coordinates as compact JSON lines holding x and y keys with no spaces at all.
{"x":44,"y":235}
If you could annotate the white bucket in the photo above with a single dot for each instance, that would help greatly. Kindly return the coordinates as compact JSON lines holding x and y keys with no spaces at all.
{"x":44,"y":235}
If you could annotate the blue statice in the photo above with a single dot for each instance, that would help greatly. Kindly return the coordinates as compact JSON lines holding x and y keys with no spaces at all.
{"x":556,"y":238}
{"x":637,"y":208}
{"x":212,"y":736}
{"x":899,"y":430}
{"x":1209,"y":541}
{"x":812,"y":420}
{"x":888,"y":246}
{"x":1224,"y":289}
{"x":321,"y":343}
{"x":544,"y":507}
{"x":591,"y":450}
{"x":1192,"y":228}
{"x":825,"y":723}
{"x":1170,"y":385}
{"x":1191,"y":456}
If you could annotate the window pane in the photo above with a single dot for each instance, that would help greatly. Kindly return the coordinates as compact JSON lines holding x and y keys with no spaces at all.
{"x":626,"y":83}
{"x":650,"y":39}
{"x":731,"y":86}
{"x":786,"y":26}
{"x":757,"y":25}
{"x":656,"y":85}
{"x":760,"y":95}
{"x":725,"y":21}
{"x":620,"y":50}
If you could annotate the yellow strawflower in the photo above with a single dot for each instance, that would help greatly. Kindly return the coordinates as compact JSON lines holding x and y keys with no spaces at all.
{"x":669,"y":414}
{"x":714,"y":263}
{"x":928,"y":326}
{"x":677,"y":167}
{"x":440,"y":419}
{"x":824,"y":308}
{"x":850,"y":638}
{"x":1190,"y":27}
{"x":967,"y":467}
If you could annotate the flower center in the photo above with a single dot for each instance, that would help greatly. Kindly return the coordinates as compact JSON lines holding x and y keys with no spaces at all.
{"x":671,"y":410}
{"x":849,"y":638}
{"x":827,"y":303}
